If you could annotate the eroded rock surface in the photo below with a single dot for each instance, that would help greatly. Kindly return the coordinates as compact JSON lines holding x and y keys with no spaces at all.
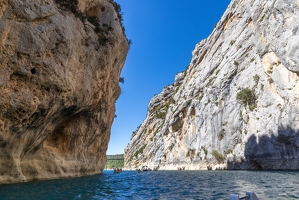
{"x":59,"y":78}
{"x":199,"y":123}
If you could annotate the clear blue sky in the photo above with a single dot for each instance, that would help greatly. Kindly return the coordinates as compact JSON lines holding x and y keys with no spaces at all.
{"x":164,"y":34}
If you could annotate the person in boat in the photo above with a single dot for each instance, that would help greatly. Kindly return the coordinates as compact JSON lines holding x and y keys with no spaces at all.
{"x":118,"y":170}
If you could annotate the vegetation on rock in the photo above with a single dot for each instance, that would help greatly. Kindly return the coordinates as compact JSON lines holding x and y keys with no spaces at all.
{"x":247,"y":97}
{"x":72,"y":6}
{"x":256,"y":78}
{"x":101,"y":30}
{"x":218,"y":156}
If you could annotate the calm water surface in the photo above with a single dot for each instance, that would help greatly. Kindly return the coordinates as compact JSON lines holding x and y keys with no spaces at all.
{"x":160,"y":185}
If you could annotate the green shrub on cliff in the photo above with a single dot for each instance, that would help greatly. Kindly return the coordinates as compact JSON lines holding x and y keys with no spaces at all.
{"x":218,"y":156}
{"x":161,"y":115}
{"x":140,"y":150}
{"x":72,"y":6}
{"x":256,"y":78}
{"x":117,"y":8}
{"x":247,"y":97}
{"x":101,"y":30}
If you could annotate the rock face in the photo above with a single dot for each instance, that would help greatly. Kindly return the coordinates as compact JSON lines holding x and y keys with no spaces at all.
{"x":60,"y":63}
{"x":236,"y":105}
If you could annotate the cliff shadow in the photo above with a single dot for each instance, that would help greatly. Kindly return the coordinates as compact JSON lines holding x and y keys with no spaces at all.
{"x":277,"y":151}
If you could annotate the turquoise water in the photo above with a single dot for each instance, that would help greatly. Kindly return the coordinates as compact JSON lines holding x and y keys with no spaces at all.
{"x":160,"y":185}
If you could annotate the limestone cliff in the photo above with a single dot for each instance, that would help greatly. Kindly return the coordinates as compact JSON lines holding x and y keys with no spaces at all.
{"x":60,"y":63}
{"x":236,"y":105}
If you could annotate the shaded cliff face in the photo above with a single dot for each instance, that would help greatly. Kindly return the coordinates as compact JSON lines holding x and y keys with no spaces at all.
{"x":236,"y":105}
{"x":60,"y":63}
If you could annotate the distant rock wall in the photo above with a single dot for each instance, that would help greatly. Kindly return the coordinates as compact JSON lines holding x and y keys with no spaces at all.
{"x":236,"y":105}
{"x":59,"y":78}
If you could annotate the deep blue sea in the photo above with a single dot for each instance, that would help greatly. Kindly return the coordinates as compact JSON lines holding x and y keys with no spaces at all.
{"x":160,"y":185}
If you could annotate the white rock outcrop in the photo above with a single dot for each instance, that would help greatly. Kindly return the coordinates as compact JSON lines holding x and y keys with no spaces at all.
{"x":236,"y":105}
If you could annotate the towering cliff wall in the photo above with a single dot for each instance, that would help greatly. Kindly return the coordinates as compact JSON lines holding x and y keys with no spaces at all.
{"x":60,"y":63}
{"x":236,"y":105}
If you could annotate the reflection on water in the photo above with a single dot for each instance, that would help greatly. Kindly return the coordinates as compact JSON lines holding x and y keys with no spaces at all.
{"x":161,"y":185}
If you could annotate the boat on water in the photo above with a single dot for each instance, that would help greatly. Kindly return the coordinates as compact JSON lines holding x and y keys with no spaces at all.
{"x":146,"y":168}
{"x":117,"y":170}
{"x":248,"y":196}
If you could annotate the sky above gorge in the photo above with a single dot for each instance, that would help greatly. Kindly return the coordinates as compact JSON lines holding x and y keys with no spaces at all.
{"x":163,"y":34}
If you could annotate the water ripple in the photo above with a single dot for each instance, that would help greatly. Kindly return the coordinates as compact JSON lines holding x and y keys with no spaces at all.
{"x":160,"y":185}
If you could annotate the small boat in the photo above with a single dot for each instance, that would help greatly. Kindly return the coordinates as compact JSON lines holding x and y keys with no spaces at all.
{"x":248,"y":196}
{"x":117,"y":170}
{"x":146,"y":168}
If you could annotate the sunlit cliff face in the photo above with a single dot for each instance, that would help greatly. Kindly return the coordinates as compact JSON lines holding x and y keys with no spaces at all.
{"x":59,"y":73}
{"x":236,"y":105}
